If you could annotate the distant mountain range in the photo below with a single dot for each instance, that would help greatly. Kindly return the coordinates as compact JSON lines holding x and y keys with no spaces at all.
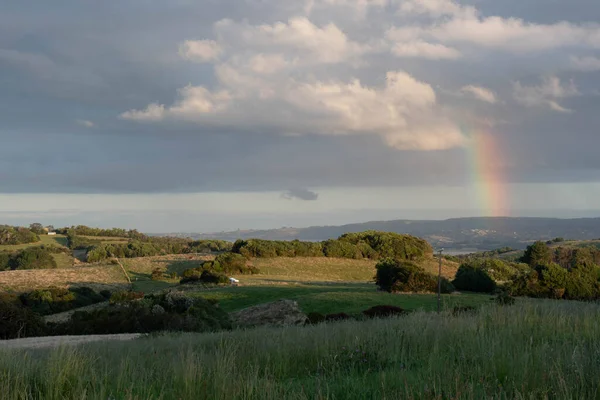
{"x":457,"y":233}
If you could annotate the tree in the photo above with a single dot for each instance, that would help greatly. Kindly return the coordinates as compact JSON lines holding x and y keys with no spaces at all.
{"x":405,"y":276}
{"x":474,"y":279}
{"x":537,"y":254}
{"x":37,"y":228}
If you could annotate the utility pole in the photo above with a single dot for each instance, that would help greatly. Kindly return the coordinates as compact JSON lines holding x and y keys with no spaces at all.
{"x":439,"y":297}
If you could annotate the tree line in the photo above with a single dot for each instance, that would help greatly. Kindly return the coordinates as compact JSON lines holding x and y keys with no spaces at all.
{"x":370,"y":244}
{"x":11,"y":235}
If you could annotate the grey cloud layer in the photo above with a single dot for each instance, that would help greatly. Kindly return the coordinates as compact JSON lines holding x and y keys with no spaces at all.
{"x":286,"y":94}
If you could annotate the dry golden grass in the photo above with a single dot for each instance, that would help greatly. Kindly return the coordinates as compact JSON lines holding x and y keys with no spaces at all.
{"x":97,"y":277}
{"x":108,"y":239}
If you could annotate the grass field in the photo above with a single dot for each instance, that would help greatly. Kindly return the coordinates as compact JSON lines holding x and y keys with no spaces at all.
{"x":329,"y":298}
{"x":533,"y":350}
{"x":97,"y":277}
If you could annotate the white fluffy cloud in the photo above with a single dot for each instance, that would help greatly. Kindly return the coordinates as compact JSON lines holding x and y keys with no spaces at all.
{"x":298,"y":73}
{"x":316,"y":44}
{"x":200,"y":50}
{"x":480,"y":93}
{"x":546,"y":94}
{"x":403,"y":112}
{"x":420,"y":49}
{"x":85,"y":123}
{"x":455,"y":23}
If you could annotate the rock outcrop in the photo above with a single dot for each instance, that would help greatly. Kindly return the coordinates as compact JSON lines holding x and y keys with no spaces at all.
{"x":278,"y":313}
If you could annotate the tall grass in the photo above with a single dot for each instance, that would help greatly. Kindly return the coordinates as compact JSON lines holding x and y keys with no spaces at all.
{"x":535,"y":350}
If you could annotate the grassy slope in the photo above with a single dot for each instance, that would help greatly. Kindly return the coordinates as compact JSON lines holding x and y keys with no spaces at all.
{"x":533,"y":350}
{"x":62,"y":260}
{"x":98,"y":277}
{"x":321,"y":284}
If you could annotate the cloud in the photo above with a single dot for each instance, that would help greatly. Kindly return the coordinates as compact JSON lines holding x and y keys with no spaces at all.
{"x":455,"y":23}
{"x":586,"y":64}
{"x":300,"y":194}
{"x":546,"y":94}
{"x":480,"y":93}
{"x":404,"y":111}
{"x":326,"y":44}
{"x":200,"y":50}
{"x":85,"y":123}
{"x":420,"y":49}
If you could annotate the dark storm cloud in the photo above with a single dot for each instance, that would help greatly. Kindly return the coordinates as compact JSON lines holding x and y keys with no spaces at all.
{"x":73,"y":61}
{"x":301,"y":194}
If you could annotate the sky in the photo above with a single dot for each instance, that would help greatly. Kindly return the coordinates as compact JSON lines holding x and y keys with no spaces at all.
{"x":214,"y":115}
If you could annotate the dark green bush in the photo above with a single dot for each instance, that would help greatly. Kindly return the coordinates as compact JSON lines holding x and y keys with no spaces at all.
{"x":337,"y":317}
{"x":341,"y":249}
{"x":473,"y":279}
{"x":34,"y":258}
{"x":537,"y":254}
{"x":384,"y":311}
{"x":56,"y":300}
{"x":315,"y":318}
{"x":5,"y":261}
{"x":17,"y":321}
{"x":162,"y":312}
{"x":404,"y":276}
{"x":214,"y":278}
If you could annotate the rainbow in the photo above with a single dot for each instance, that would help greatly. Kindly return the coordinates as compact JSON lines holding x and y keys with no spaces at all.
{"x":485,"y":169}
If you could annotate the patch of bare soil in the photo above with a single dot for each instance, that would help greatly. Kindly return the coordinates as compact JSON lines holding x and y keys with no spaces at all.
{"x":55,"y":341}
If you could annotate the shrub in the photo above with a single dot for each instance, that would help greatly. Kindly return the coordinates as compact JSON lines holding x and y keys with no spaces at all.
{"x":5,"y":261}
{"x":157,"y":274}
{"x":537,"y":254}
{"x":473,"y":279}
{"x":34,"y":258}
{"x":55,"y":300}
{"x":231,"y":263}
{"x":214,"y":278}
{"x":315,"y":318}
{"x":18,"y":321}
{"x":105,"y":294}
{"x":384,"y":311}
{"x":405,"y":276}
{"x":337,"y":317}
{"x":163,"y":312}
{"x":341,"y":249}
{"x":124,"y":296}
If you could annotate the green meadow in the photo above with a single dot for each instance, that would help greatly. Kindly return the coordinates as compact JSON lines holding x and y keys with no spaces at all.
{"x":536,"y":349}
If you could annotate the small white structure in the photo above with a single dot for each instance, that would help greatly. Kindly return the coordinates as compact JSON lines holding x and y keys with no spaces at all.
{"x":51,"y":233}
{"x":233,"y":281}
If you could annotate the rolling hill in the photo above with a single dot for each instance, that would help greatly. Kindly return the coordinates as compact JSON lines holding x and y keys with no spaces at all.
{"x":458,"y":233}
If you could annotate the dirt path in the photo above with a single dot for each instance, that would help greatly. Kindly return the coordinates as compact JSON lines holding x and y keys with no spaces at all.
{"x":55,"y":341}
